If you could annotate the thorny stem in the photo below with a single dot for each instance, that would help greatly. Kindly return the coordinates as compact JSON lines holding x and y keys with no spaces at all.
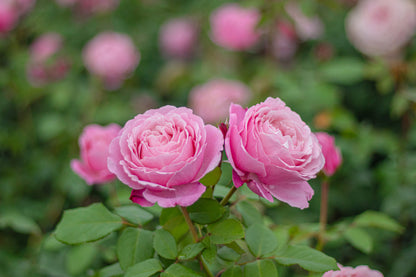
{"x":228,"y":196}
{"x":323,"y":215}
{"x":195,"y":238}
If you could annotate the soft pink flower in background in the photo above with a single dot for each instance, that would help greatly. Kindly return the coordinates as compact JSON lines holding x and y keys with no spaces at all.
{"x":11,"y":10}
{"x":381,"y":27}
{"x":163,"y":153}
{"x":178,"y":38}
{"x":272,"y":150}
{"x":332,"y":154}
{"x":212,"y":100}
{"x":285,"y":41}
{"x":45,"y":63}
{"x":234,"y":27}
{"x":94,"y":144}
{"x":112,"y":57}
{"x":359,"y":271}
{"x":307,"y":28}
{"x":87,"y":7}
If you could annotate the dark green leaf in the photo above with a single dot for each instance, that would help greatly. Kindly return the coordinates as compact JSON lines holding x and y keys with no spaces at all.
{"x":260,"y":268}
{"x":228,"y":254}
{"x":191,"y":251}
{"x":87,"y":224}
{"x":211,"y":178}
{"x":359,"y":238}
{"x":18,"y":222}
{"x":113,"y":270}
{"x":234,"y":271}
{"x":206,"y":211}
{"x":377,"y":220}
{"x":80,"y":257}
{"x":134,"y":214}
{"x":260,"y":240}
{"x":225,"y":231}
{"x":144,"y":269}
{"x":173,"y":221}
{"x":165,"y":244}
{"x":178,"y":270}
{"x":249,"y":213}
{"x":133,"y":246}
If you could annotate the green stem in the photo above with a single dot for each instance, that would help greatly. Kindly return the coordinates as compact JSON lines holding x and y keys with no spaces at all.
{"x":323,"y":215}
{"x":228,"y":196}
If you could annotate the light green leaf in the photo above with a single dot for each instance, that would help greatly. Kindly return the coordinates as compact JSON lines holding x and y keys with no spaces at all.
{"x":260,"y":240}
{"x":133,"y":246}
{"x":306,"y":257}
{"x":165,"y":244}
{"x":343,"y":71}
{"x":260,"y":268}
{"x":79,"y":258}
{"x":249,"y":213}
{"x":18,"y":222}
{"x":87,"y":224}
{"x":234,"y":271}
{"x":173,"y":221}
{"x":225,"y":231}
{"x":377,"y":220}
{"x":178,"y":270}
{"x":211,"y":178}
{"x":113,"y":270}
{"x":359,"y":238}
{"x":144,"y":269}
{"x":134,"y":214}
{"x":205,"y":211}
{"x":210,"y":253}
{"x":228,"y":254}
{"x":191,"y":251}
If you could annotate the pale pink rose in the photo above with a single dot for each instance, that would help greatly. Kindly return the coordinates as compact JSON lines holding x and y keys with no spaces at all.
{"x":272,"y":150}
{"x":285,"y":41}
{"x":307,"y":28}
{"x":359,"y":271}
{"x":178,"y":38}
{"x":8,"y":17}
{"x":381,"y":27}
{"x":331,"y":153}
{"x":212,"y":100}
{"x":46,"y":64}
{"x":112,"y":57}
{"x":162,"y":154}
{"x":234,"y":27}
{"x":94,"y":143}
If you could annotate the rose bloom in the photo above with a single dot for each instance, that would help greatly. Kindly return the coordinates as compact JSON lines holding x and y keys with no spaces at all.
{"x":331,"y":153}
{"x":45,"y":63}
{"x":112,"y":57}
{"x":162,"y":154}
{"x":94,"y":143}
{"x":285,"y":41}
{"x":178,"y":38}
{"x":307,"y":28}
{"x":8,"y":17}
{"x":272,"y":150}
{"x":359,"y":271}
{"x":212,"y":100}
{"x":381,"y":27}
{"x":234,"y":27}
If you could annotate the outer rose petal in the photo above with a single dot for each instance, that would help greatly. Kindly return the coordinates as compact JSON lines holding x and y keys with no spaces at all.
{"x":137,"y":197}
{"x":184,"y":195}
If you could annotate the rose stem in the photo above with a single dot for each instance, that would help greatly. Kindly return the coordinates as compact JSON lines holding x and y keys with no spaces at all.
{"x":228,"y":196}
{"x":195,"y":238}
{"x":323,"y":215}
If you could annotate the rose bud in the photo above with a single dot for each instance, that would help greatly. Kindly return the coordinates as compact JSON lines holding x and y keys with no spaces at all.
{"x":332,"y":154}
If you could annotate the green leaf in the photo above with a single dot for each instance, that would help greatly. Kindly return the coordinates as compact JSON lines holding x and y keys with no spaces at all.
{"x":343,"y":71}
{"x":260,"y":268}
{"x":260,"y":240}
{"x":205,"y":211}
{"x":165,"y":244}
{"x":178,"y":270}
{"x":249,"y":213}
{"x":228,"y":254}
{"x":113,"y":270}
{"x":134,"y":214}
{"x":87,"y":224}
{"x":210,"y":253}
{"x":79,"y":258}
{"x":359,"y":238}
{"x":234,"y":271}
{"x":211,"y":178}
{"x":377,"y":220}
{"x":191,"y":251}
{"x":172,"y":220}
{"x":133,"y":246}
{"x":144,"y":269}
{"x":225,"y":231}
{"x":308,"y":258}
{"x":19,"y":223}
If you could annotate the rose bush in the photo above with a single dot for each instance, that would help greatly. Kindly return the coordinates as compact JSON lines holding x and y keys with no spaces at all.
{"x":272,"y":150}
{"x":163,"y":153}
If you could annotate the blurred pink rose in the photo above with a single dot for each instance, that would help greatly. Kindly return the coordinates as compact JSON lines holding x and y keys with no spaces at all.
{"x":381,"y":27}
{"x":285,"y":41}
{"x":87,"y":7}
{"x":112,"y":57}
{"x":178,"y":38}
{"x":307,"y":27}
{"x":212,"y":100}
{"x":234,"y":27}
{"x":272,"y":150}
{"x":163,"y":153}
{"x":331,"y":153}
{"x":359,"y":271}
{"x":45,"y":63}
{"x":8,"y":17}
{"x":94,"y":143}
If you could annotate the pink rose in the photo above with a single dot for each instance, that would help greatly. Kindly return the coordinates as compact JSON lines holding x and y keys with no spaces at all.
{"x":162,"y":154}
{"x":212,"y":100}
{"x":381,"y":27}
{"x":307,"y":27}
{"x":178,"y":38}
{"x":359,"y":271}
{"x":331,"y":153}
{"x":272,"y":150}
{"x":234,"y":27}
{"x":285,"y":41}
{"x":94,"y":143}
{"x":8,"y":17}
{"x":111,"y":56}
